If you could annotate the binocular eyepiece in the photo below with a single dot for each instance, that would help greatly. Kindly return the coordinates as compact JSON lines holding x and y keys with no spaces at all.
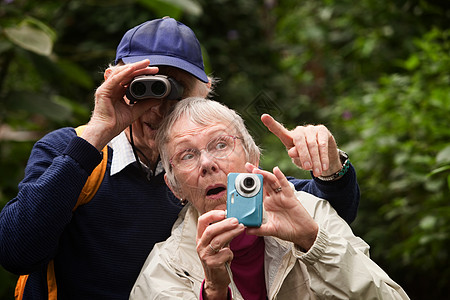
{"x":154,"y":87}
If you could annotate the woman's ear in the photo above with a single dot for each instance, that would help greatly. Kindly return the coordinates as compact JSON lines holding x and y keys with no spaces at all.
{"x":173,"y":189}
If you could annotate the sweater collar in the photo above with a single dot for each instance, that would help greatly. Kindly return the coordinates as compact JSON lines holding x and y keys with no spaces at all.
{"x":123,"y":155}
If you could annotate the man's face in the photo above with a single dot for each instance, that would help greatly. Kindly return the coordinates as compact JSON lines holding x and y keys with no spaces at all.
{"x":145,"y":127}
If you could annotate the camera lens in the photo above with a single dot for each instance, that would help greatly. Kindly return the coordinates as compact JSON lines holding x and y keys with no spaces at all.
{"x":158,"y":88}
{"x":138,"y":88}
{"x":249,"y":183}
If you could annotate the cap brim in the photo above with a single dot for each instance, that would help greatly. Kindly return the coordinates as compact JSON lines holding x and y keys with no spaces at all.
{"x":161,"y":60}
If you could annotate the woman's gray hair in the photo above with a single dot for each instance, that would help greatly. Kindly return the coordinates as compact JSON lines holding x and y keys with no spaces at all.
{"x":204,"y":112}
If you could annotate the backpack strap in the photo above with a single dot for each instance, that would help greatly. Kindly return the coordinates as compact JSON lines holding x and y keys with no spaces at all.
{"x":87,"y":193}
{"x":51,"y":284}
{"x":95,"y":179}
{"x":20,"y":287}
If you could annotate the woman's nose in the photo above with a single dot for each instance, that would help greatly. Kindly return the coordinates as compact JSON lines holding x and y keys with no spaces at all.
{"x":207,"y":163}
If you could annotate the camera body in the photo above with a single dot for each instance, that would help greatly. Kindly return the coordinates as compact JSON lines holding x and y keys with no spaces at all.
{"x":154,"y":87}
{"x":245,"y":198}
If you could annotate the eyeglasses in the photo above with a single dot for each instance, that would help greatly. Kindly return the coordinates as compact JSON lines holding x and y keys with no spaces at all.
{"x":218,"y":147}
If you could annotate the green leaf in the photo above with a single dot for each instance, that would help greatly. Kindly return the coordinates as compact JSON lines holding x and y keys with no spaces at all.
{"x":188,"y":6}
{"x":32,"y":35}
{"x":412,"y":62}
{"x":428,"y":222}
{"x":439,"y":170}
{"x":37,"y":103}
{"x":76,"y":74}
{"x":443,"y":156}
{"x":448,"y":181}
{"x":173,"y":8}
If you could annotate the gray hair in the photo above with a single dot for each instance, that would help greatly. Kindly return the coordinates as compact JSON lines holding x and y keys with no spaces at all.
{"x":203,"y":112}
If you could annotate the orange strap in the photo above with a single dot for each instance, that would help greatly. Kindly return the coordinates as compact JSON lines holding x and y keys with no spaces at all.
{"x":95,"y":179}
{"x":20,"y":287}
{"x":51,"y":284}
{"x":90,"y":188}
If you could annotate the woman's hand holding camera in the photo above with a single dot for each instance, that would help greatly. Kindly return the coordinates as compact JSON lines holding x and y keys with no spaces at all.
{"x":214,"y":234}
{"x":287,"y":219}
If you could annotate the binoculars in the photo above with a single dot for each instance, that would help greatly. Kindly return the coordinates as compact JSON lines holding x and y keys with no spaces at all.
{"x":154,"y":87}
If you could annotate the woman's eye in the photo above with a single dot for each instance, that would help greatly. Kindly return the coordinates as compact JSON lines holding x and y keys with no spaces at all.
{"x":221,"y":145}
{"x":187,"y":155}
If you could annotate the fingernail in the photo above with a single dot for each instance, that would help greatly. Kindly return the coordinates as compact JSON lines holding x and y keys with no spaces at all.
{"x":316,"y":171}
{"x":307,"y":166}
{"x":324,"y":166}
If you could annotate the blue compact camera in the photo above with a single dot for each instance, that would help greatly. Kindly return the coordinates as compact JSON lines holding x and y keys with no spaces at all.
{"x":245,"y":198}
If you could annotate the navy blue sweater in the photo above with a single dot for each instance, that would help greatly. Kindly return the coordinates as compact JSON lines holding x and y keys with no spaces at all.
{"x":99,"y":249}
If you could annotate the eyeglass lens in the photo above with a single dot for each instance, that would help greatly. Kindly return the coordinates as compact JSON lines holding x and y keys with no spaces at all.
{"x":218,"y":147}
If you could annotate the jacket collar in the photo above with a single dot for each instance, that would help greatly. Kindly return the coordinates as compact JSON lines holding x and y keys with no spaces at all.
{"x":184,"y":234}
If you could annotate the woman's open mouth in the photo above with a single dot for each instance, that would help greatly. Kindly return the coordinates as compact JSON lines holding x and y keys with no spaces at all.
{"x":216,"y":191}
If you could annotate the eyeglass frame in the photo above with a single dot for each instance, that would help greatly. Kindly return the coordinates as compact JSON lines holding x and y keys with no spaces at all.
{"x":235,"y":137}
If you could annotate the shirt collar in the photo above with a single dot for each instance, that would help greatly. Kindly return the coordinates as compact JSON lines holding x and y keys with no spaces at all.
{"x":123,"y":156}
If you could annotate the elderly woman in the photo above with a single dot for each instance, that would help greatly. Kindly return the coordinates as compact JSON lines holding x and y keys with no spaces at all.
{"x":303,"y":250}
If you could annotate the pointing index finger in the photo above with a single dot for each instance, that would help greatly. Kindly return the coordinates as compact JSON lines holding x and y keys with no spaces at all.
{"x":278,"y":129}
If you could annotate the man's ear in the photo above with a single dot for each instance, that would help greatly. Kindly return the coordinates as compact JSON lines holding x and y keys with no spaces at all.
{"x":174,"y":191}
{"x":107,"y":73}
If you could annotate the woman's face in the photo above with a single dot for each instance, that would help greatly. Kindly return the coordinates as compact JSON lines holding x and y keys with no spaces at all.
{"x":204,"y":182}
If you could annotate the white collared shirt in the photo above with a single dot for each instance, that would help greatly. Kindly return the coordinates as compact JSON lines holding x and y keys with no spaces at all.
{"x":123,"y":156}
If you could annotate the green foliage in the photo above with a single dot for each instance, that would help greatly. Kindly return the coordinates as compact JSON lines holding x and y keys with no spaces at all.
{"x":399,"y":140}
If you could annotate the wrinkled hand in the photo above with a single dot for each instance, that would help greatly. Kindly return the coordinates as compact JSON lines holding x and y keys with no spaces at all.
{"x":286,"y":219}
{"x":310,"y":147}
{"x":112,"y":114}
{"x":214,"y":234}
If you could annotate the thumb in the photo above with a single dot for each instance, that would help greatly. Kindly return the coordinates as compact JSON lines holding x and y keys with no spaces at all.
{"x":278,"y":129}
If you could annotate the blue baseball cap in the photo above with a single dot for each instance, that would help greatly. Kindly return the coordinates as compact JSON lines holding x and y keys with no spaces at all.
{"x":165,"y":42}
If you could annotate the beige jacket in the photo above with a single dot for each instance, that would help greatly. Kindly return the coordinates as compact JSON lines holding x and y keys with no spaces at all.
{"x":336,"y":267}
